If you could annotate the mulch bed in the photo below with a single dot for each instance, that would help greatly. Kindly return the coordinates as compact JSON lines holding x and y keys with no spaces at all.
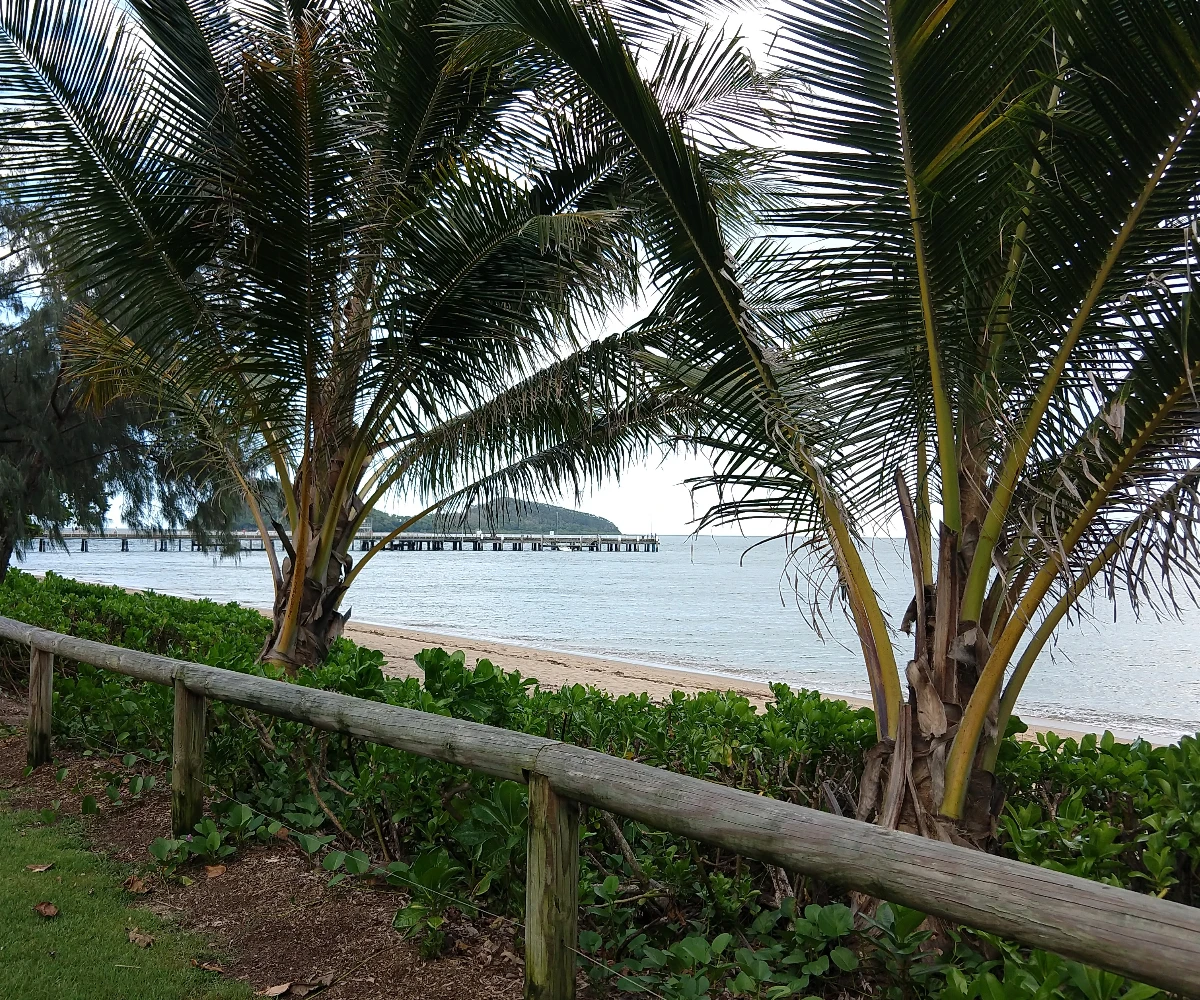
{"x":270,"y":915}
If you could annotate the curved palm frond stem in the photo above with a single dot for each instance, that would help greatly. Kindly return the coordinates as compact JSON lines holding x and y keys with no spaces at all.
{"x":1011,"y":596}
{"x":282,"y":472}
{"x":349,"y":475}
{"x":880,"y":659}
{"x":873,"y":631}
{"x":1018,"y":453}
{"x":284,"y":642}
{"x":947,"y":445}
{"x":725,"y":410}
{"x":387,"y":539}
{"x":987,"y":688}
{"x":385,"y":483}
{"x":1000,"y":313}
{"x":924,"y":512}
{"x":1065,"y":604}
{"x":260,"y":523}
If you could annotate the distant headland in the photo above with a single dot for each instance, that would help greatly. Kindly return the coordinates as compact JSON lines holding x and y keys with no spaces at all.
{"x":505,"y":515}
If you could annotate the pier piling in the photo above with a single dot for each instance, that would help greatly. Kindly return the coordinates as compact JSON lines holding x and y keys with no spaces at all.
{"x":452,"y":541}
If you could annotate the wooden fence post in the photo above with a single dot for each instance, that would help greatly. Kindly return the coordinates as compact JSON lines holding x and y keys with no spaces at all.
{"x":551,"y":893}
{"x":187,"y":761}
{"x":41,"y":700}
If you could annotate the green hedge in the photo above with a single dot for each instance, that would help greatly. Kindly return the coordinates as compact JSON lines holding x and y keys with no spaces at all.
{"x":687,"y":922}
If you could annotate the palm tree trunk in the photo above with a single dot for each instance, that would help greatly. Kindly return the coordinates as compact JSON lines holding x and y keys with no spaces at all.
{"x":904,"y":778}
{"x":308,"y":623}
{"x":319,"y":623}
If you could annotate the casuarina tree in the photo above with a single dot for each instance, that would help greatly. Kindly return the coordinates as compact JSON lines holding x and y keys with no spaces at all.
{"x":63,"y":461}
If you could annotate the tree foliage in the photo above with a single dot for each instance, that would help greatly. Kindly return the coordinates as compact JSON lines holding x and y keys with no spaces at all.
{"x":352,"y":251}
{"x":62,"y":462}
{"x":971,"y":290}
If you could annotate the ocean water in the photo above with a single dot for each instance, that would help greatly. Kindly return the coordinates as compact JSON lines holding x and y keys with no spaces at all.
{"x":703,"y":604}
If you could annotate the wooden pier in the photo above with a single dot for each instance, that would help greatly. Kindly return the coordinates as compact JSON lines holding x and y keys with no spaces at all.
{"x":409,"y":541}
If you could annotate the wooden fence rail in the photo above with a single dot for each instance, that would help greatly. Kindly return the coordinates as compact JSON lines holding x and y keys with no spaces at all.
{"x":1151,"y":940}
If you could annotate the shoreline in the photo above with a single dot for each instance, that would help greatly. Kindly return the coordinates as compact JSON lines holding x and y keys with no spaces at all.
{"x":556,"y":668}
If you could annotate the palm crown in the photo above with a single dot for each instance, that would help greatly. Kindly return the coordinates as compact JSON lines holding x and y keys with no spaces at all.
{"x":974,"y":291}
{"x":359,"y":254}
{"x":974,"y":276}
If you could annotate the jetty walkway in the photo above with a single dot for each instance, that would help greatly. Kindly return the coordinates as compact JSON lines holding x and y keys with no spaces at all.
{"x":409,"y":541}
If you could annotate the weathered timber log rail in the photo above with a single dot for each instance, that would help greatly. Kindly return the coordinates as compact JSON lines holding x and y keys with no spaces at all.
{"x":1151,"y":940}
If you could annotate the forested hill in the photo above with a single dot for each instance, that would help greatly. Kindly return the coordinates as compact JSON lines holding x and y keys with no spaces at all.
{"x":533,"y":518}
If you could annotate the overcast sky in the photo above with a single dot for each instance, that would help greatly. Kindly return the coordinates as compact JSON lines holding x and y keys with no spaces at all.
{"x":649,"y":497}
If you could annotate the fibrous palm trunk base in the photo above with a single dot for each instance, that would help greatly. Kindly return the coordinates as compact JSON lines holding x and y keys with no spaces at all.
{"x":901,"y":788}
{"x":903,"y":779}
{"x":320,"y":622}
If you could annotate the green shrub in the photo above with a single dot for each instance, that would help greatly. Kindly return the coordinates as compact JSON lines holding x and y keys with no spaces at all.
{"x":1126,"y":814}
{"x":680,"y":920}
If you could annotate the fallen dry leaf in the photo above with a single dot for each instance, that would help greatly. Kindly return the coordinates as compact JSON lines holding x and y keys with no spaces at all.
{"x":46,"y":910}
{"x":303,"y":989}
{"x":214,"y":871}
{"x":208,"y":966}
{"x":39,"y":868}
{"x":136,"y":885}
{"x":274,"y":991}
{"x":140,"y":939}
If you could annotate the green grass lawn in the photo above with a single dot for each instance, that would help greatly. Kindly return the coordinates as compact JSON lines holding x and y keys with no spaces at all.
{"x":85,"y":951}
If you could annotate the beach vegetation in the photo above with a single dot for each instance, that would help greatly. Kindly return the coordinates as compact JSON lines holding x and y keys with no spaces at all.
{"x":967,"y":317}
{"x":661,"y":914}
{"x":355,"y":258}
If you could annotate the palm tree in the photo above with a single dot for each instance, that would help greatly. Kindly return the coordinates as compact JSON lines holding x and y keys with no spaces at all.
{"x":974,"y":293}
{"x":357,"y":256}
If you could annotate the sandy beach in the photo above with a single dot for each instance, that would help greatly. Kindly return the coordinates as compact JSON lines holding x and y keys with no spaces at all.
{"x":553,"y":669}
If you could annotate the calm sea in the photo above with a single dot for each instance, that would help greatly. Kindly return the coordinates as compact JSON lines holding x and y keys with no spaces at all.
{"x":701,"y":604}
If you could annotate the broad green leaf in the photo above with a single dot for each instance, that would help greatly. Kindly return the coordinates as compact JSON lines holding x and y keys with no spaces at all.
{"x":844,"y":958}
{"x":835,"y":920}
